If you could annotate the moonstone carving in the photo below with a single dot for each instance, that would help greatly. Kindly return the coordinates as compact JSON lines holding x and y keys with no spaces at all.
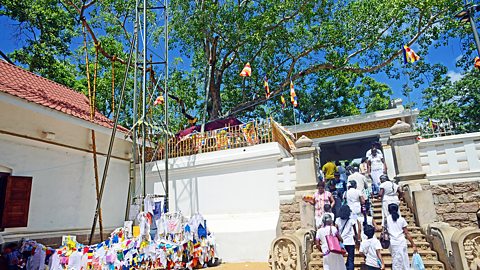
{"x":285,"y":255}
{"x":472,"y":252}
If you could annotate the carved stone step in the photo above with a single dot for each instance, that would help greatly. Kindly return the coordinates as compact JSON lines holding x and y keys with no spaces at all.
{"x":425,"y":254}
{"x":430,"y":265}
{"x":417,"y":237}
{"x":433,"y":265}
{"x":379,"y":204}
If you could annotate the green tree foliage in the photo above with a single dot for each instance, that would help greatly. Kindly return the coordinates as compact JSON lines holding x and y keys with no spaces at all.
{"x":328,"y":48}
{"x":456,"y":101}
{"x":324,"y":46}
{"x":46,"y":31}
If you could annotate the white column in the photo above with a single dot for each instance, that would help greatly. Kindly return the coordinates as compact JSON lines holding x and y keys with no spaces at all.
{"x":306,"y":174}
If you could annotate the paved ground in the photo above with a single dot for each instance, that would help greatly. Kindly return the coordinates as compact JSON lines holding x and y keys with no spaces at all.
{"x":242,"y":266}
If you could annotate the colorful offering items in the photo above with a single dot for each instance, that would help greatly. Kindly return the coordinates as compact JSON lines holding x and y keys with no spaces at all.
{"x":178,"y":243}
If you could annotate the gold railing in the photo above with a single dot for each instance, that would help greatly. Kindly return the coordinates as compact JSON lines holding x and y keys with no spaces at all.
{"x":231,"y":137}
{"x":280,"y":136}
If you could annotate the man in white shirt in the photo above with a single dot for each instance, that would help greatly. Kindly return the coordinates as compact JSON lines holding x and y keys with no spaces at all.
{"x":359,"y":178}
{"x":375,"y":145}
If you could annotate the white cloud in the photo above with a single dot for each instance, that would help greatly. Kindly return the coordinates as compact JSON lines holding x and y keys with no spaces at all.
{"x":458,"y":58}
{"x":454,"y":76}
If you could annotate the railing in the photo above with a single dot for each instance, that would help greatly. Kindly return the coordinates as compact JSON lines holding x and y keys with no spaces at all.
{"x":444,"y":156}
{"x":248,"y":134}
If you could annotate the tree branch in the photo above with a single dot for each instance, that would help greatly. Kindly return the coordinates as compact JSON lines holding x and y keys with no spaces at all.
{"x":371,"y":43}
{"x":92,"y":34}
{"x":327,"y":66}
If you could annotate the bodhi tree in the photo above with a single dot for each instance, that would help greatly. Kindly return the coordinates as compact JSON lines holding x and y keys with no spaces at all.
{"x":315,"y":44}
{"x":329,"y":49}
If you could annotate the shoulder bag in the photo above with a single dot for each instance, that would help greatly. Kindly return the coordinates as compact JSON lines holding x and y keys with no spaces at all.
{"x":333,"y":243}
{"x":384,"y":236}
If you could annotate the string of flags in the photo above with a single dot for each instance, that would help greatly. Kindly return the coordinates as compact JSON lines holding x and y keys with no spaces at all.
{"x":409,"y":56}
{"x":247,"y":72}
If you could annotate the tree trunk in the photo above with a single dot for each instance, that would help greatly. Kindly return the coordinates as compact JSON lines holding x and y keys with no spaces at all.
{"x":215,"y":109}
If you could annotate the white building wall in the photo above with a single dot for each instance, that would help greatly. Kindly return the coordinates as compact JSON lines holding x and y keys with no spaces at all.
{"x":63,"y":186}
{"x":451,"y":158}
{"x":237,"y":191}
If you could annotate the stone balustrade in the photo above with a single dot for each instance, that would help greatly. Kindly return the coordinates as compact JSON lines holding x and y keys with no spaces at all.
{"x":450,"y":159}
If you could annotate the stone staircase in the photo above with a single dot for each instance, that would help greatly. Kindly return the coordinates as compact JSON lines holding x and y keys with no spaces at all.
{"x":428,"y":255}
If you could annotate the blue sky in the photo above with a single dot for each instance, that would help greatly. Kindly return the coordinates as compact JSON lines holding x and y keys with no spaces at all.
{"x":446,"y":55}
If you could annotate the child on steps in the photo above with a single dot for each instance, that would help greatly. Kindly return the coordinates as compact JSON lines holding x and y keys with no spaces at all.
{"x":371,"y":248}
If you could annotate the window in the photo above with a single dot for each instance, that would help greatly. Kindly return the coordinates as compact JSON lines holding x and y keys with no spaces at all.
{"x":15,"y":193}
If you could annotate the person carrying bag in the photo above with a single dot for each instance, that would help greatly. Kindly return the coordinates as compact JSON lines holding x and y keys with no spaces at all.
{"x":327,"y":240}
{"x":385,"y":236}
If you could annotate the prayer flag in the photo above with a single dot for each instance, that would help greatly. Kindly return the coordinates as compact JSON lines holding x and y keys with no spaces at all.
{"x":246,"y":71}
{"x":409,"y":56}
{"x":293,"y":96}
{"x":282,"y":99}
{"x":158,"y":101}
{"x":267,"y":88}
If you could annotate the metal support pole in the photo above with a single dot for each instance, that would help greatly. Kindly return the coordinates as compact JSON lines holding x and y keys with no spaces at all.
{"x":133,"y":180}
{"x":475,"y":33}
{"x":144,"y":99}
{"x":166,"y":206}
{"x":474,"y":27}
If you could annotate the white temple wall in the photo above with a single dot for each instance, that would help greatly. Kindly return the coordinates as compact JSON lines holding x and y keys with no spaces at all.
{"x":449,"y":159}
{"x":238,"y":191}
{"x":63,"y":188}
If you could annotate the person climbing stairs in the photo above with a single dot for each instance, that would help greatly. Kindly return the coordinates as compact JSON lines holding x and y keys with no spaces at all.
{"x":429,"y":257}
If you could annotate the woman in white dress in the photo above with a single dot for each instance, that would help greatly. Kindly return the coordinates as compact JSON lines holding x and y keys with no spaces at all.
{"x":376,"y":167}
{"x":389,"y":193}
{"x":398,"y":232}
{"x":331,"y":261}
{"x":355,"y":199}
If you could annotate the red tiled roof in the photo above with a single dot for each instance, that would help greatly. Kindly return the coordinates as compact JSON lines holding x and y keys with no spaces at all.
{"x":33,"y":88}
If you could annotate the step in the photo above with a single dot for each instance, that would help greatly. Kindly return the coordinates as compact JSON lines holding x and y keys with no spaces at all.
{"x":417,"y":237}
{"x":422,"y":247}
{"x":431,"y":265}
{"x":402,"y":210}
{"x":428,"y":255}
{"x":379,"y":205}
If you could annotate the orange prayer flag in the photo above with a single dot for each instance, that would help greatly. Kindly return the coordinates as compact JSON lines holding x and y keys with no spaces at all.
{"x":246,"y":71}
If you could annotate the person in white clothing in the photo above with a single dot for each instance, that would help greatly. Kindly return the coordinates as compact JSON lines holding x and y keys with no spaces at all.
{"x":398,"y":232}
{"x":371,"y":247}
{"x":349,"y":231}
{"x":367,"y":220}
{"x":331,"y":261}
{"x":376,"y":146}
{"x":376,"y":167}
{"x":355,"y":199}
{"x":389,"y":193}
{"x":327,"y":210}
{"x":359,"y":178}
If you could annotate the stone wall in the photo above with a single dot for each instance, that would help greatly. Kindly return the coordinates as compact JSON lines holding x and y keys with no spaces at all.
{"x":457,"y":203}
{"x":290,"y":216}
